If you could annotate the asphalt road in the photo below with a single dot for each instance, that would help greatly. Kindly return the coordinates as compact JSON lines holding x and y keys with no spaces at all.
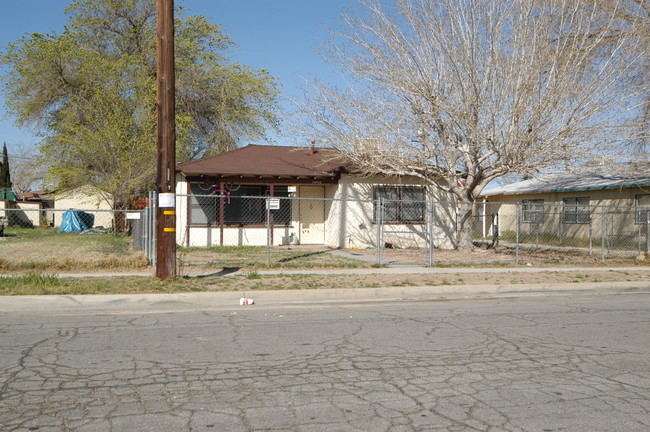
{"x":569,"y":361}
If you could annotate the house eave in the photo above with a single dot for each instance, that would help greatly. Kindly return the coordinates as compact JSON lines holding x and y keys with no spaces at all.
{"x":262,"y":179}
{"x":567,"y":190}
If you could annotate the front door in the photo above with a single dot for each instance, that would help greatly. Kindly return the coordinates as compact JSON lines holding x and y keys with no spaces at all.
{"x":312,"y":215}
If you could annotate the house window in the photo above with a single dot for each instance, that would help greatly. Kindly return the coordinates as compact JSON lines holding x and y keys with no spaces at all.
{"x":401,"y":204}
{"x":245,"y":206}
{"x":203,"y":207}
{"x":533,"y":211}
{"x":575,"y":211}
{"x":642,"y":206}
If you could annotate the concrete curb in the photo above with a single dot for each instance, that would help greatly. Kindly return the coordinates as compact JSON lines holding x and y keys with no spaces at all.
{"x":178,"y":302}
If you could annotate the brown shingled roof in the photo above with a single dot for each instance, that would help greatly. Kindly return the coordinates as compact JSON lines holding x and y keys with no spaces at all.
{"x":268,"y":161}
{"x":38,"y":195}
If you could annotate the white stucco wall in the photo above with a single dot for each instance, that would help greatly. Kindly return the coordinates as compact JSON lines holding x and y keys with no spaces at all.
{"x":189,"y":236}
{"x":612,"y":213}
{"x":349,"y":221}
{"x":3,"y":205}
{"x":83,"y":199}
{"x":30,"y":214}
{"x":24,"y":214}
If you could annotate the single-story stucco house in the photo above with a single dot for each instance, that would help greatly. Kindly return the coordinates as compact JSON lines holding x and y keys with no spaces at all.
{"x":46,"y":208}
{"x":318,"y":199}
{"x":87,"y":199}
{"x":611,"y":202}
{"x":37,"y":207}
{"x":28,"y":209}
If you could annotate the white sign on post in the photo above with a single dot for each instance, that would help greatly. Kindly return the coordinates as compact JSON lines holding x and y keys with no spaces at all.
{"x":274,"y":203}
{"x":166,"y":200}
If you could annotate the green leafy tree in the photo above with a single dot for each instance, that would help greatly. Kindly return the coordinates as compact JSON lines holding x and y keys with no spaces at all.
{"x":90,"y":92}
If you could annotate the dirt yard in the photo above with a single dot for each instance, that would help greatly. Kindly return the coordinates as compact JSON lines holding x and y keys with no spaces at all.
{"x":244,"y":282}
{"x":500,"y":257}
{"x":206,"y":262}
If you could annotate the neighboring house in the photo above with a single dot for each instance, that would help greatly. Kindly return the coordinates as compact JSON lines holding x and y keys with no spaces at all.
{"x":28,"y":209}
{"x":612,"y":201}
{"x":36,"y":206}
{"x":3,"y":214}
{"x":83,"y":198}
{"x":321,"y":201}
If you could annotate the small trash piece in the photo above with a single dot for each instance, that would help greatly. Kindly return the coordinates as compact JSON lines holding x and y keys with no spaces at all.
{"x":245,"y":301}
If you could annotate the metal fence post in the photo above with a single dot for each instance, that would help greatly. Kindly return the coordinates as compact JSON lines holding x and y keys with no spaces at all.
{"x":603,"y":229}
{"x":591,"y":234}
{"x":151,"y":232}
{"x":431,"y":245}
{"x":647,"y":232}
{"x":484,"y":217}
{"x":268,"y":231}
{"x":378,"y":214}
{"x":456,"y":221}
{"x":517,"y":224}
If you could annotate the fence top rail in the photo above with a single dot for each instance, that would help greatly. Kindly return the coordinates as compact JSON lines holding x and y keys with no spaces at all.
{"x":480,"y":204}
{"x":265,"y":197}
{"x":70,"y":209}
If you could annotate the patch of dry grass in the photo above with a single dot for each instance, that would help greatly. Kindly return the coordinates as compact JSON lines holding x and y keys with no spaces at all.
{"x":43,"y":285}
{"x":46,"y":250}
{"x":138,"y":261}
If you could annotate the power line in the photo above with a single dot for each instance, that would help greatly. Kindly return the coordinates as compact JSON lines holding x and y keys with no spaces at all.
{"x":15,"y":156}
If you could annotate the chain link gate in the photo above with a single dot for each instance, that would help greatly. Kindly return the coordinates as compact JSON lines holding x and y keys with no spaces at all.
{"x":144,"y":230}
{"x":405,"y":232}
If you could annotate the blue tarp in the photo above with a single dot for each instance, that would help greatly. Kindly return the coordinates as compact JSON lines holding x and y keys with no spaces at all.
{"x":75,"y":221}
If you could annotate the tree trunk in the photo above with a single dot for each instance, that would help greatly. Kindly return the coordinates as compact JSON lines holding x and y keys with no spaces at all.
{"x":465,"y":226}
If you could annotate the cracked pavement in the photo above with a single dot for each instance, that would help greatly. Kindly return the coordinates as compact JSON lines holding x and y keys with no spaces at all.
{"x":569,"y":362}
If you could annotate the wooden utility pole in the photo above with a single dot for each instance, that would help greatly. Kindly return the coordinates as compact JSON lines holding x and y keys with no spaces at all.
{"x":166,"y":183}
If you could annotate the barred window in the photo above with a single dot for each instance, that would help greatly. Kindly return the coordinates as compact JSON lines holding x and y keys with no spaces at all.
{"x":203,"y":208}
{"x":533,"y":211}
{"x":402,"y":204}
{"x":244,"y":206}
{"x":642,"y":206}
{"x":575,"y":211}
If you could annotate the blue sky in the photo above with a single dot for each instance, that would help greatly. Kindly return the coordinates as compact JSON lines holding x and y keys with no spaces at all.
{"x":277,"y":35}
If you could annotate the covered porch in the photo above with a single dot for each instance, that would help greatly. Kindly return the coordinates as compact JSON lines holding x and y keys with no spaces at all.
{"x":232,"y":200}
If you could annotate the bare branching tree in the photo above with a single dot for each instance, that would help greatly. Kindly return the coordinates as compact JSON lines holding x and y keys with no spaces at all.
{"x":26,"y":173}
{"x":461,"y":92}
{"x":627,"y":23}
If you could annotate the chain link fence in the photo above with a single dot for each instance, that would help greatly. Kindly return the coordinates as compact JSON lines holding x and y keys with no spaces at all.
{"x":357,"y":225}
{"x":572,"y":227}
{"x":410,"y":231}
{"x":379,"y":231}
{"x":49,"y":238}
{"x":92,"y":221}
